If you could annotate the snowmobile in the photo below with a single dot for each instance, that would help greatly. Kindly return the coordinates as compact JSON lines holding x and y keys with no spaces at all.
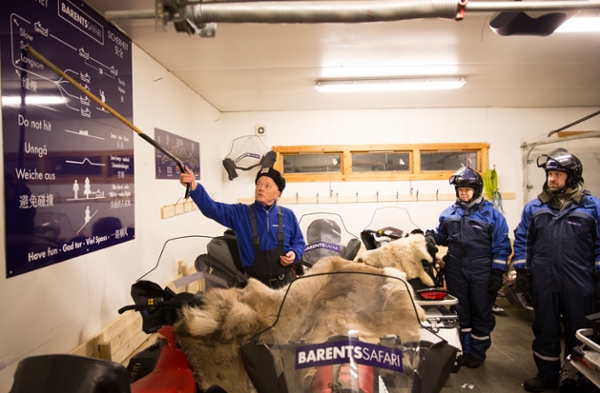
{"x":326,"y":235}
{"x":581,"y":370}
{"x":513,"y":294}
{"x":221,"y":264}
{"x":359,"y":355}
{"x":436,"y":301}
{"x":160,"y":368}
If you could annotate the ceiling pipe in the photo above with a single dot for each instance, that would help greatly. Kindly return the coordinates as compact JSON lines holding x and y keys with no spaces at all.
{"x":137,"y":14}
{"x":323,"y":11}
{"x":348,"y":11}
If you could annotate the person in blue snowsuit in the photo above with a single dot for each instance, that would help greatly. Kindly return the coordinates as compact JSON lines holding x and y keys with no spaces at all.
{"x":476,"y":235}
{"x":557,"y":259}
{"x":269,"y":238}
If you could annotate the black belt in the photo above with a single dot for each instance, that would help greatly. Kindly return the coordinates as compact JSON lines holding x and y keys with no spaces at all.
{"x":469,"y":252}
{"x":281,"y":277}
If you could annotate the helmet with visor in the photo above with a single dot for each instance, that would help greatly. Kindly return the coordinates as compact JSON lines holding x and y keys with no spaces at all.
{"x":467,"y":177}
{"x":561,"y":160}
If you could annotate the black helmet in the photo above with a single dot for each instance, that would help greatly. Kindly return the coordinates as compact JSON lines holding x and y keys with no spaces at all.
{"x":467,"y":177}
{"x":562,"y":161}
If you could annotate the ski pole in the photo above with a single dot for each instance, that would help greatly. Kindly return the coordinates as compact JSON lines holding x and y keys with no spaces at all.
{"x":116,"y":114}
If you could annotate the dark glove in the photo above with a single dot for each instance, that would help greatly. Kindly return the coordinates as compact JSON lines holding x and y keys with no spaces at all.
{"x":597,"y":277}
{"x":431,"y":247}
{"x":524,"y":280}
{"x":496,"y":281}
{"x":229,"y":166}
{"x":268,"y":159}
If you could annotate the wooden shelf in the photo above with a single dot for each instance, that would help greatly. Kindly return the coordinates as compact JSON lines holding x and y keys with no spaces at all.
{"x":298,"y":200}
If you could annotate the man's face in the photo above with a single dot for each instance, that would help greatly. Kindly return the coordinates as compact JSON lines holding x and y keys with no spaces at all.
{"x":266,"y":191}
{"x":465,"y":194}
{"x":556,"y":180}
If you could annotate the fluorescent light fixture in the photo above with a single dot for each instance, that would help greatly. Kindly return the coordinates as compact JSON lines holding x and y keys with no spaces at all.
{"x":392,"y":84}
{"x":32,"y":100}
{"x":580,"y":25}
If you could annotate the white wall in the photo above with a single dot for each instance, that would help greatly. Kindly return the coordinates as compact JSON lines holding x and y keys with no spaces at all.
{"x":54,"y":309}
{"x":505,"y":129}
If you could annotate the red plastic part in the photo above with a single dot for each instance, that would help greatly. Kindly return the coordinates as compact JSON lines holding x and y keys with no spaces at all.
{"x":323,"y":379}
{"x":172,"y":373}
{"x":433,"y":294}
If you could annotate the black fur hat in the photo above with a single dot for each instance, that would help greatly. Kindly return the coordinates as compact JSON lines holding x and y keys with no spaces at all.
{"x":273,"y":174}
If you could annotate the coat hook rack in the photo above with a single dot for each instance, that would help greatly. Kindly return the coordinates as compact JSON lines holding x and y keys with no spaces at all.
{"x":377,"y":197}
{"x":181,"y":206}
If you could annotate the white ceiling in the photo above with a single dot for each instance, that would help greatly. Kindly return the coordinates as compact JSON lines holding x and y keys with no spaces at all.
{"x":259,"y":67}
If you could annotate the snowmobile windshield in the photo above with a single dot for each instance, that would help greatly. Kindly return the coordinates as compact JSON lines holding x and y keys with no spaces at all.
{"x":340,"y":332}
{"x":326,"y":235}
{"x":387,"y":224}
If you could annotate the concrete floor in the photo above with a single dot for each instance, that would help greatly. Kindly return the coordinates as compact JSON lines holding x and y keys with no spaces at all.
{"x":509,"y":360}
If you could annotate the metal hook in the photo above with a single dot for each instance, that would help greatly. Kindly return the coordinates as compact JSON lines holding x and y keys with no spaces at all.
{"x":317,"y":196}
{"x":437,"y":194}
{"x":417,"y":194}
{"x":175,"y":205}
{"x":396,"y":195}
{"x":296,"y":196}
{"x":377,"y":195}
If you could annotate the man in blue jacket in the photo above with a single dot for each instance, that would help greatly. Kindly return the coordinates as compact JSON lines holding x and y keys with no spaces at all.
{"x":478,"y":247}
{"x":557,"y":259}
{"x":269,"y":238}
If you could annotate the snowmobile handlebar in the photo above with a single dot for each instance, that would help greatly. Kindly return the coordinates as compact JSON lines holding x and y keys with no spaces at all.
{"x":392,"y":233}
{"x":178,"y":302}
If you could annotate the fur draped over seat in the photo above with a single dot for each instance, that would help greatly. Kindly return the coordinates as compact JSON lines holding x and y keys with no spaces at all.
{"x":316,"y":308}
{"x":404,"y":254}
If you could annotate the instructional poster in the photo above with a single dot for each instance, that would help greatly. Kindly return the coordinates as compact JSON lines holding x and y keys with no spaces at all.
{"x":187,"y":151}
{"x":68,"y":162}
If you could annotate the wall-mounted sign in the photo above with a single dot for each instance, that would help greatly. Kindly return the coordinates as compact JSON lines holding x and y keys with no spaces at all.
{"x":187,"y":151}
{"x":68,"y":163}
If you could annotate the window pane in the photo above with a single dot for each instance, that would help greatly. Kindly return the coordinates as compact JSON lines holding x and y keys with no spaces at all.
{"x":312,"y":163}
{"x":448,"y":160}
{"x":380,"y":162}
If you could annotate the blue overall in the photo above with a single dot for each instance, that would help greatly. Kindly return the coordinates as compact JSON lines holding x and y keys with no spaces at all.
{"x":561,"y":250}
{"x":477,"y":240}
{"x":275,"y":229}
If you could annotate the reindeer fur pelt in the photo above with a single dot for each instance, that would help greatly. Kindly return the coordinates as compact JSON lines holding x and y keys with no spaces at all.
{"x":321,"y":306}
{"x":404,"y":254}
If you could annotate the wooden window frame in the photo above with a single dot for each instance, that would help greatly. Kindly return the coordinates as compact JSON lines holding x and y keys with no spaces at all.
{"x":346,"y":151}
